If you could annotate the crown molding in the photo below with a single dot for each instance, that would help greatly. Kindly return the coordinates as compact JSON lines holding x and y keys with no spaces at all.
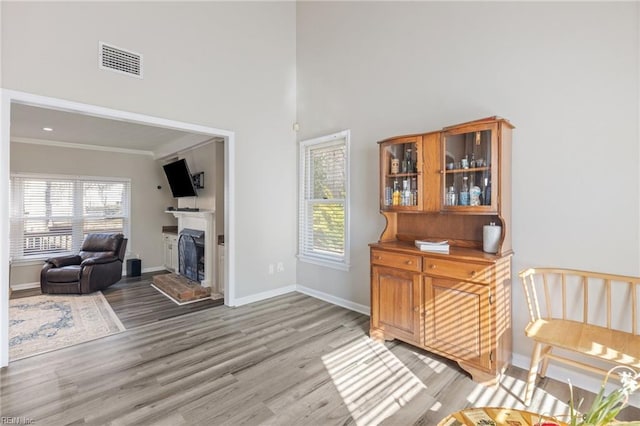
{"x":60,"y":144}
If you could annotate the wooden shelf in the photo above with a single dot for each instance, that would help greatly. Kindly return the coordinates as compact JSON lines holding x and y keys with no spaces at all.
{"x":475,"y":169}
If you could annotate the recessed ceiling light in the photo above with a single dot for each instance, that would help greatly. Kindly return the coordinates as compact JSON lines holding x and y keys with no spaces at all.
{"x":47,"y":129}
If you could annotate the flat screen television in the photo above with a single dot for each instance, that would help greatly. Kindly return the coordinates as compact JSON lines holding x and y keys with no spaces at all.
{"x":180,"y":179}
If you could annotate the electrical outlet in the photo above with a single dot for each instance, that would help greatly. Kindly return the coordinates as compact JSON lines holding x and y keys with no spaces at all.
{"x":280,"y":267}
{"x":271,"y":269}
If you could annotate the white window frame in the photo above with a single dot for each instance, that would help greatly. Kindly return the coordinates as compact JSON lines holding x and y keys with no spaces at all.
{"x":77,"y":237}
{"x":331,"y":261}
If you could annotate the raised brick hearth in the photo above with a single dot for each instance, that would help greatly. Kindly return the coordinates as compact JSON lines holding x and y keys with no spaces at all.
{"x":180,"y":288}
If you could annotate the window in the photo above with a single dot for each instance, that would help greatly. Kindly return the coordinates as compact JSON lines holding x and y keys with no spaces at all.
{"x":50,"y":215}
{"x":324,"y":201}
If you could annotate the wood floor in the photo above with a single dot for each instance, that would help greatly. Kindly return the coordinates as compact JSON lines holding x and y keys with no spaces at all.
{"x":290,"y":360}
{"x":136,"y":303}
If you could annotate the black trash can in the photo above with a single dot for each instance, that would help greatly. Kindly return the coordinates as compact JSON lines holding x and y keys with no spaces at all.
{"x":134,"y":267}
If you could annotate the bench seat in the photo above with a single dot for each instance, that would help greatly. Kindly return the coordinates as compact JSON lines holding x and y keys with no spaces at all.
{"x":592,"y":340}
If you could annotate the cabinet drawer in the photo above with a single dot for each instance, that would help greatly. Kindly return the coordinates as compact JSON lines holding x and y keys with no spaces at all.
{"x":396,"y":260}
{"x":458,"y":270}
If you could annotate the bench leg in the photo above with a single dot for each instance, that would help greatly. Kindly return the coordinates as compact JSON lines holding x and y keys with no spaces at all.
{"x":545,"y":361}
{"x":533,"y":372}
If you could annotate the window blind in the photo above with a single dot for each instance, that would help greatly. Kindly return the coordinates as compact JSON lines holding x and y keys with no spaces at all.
{"x":51,"y":215}
{"x":323,"y":219}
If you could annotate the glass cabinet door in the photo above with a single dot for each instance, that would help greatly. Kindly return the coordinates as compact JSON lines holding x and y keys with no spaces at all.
{"x":469,"y":168}
{"x":401,"y":179}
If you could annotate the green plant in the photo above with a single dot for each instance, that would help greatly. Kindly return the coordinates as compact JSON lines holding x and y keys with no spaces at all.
{"x":604,"y":409}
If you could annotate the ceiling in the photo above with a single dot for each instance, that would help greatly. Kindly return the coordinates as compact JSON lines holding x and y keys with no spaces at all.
{"x":27,"y":124}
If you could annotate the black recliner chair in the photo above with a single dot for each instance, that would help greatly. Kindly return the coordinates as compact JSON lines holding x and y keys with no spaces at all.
{"x":96,"y":267}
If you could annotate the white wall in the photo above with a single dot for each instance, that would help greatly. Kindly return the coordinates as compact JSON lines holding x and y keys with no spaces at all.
{"x":228,"y":65}
{"x":147,"y":202}
{"x":202,"y":159}
{"x":565,"y":74}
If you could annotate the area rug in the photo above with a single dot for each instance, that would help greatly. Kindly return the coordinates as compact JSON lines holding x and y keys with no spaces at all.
{"x":43,"y":323}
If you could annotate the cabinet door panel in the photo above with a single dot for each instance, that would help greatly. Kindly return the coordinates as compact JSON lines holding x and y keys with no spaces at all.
{"x":396,"y":302}
{"x":401,"y":174}
{"x":470,"y":160}
{"x":458,"y":321}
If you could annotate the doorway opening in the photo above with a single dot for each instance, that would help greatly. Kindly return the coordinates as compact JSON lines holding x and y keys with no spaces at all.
{"x":11,"y":98}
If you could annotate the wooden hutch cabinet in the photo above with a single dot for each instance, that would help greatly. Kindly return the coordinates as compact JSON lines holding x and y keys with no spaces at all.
{"x":446,"y":185}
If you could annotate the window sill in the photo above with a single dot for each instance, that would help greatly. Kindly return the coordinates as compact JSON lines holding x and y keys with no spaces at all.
{"x":326,"y":263}
{"x":28,"y":262}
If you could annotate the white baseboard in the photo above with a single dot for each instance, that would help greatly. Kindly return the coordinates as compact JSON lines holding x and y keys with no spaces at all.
{"x":144,"y":270}
{"x":154,"y":269}
{"x":262,"y":296}
{"x":365,"y":310}
{"x":24,"y":286}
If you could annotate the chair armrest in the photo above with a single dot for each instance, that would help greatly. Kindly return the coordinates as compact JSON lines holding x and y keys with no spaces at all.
{"x":99,"y":260}
{"x":61,"y":261}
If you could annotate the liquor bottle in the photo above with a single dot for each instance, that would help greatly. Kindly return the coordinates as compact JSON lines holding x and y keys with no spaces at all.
{"x":388,"y":195}
{"x":406,"y":193}
{"x":451,"y":198}
{"x":406,"y":163}
{"x":464,"y":192}
{"x":396,"y":193}
{"x":487,"y":194}
{"x":395,"y":165}
{"x":474,"y":195}
{"x":414,"y":191}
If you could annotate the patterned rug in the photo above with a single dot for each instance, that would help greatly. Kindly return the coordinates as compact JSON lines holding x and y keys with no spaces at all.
{"x":47,"y":322}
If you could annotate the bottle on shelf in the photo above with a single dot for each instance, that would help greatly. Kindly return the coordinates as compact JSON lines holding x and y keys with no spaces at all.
{"x":395,"y":165}
{"x":464,"y":162}
{"x":414,"y":191}
{"x":396,"y":193}
{"x":464,"y":192}
{"x":388,"y":195}
{"x":474,"y":195}
{"x":407,"y":166}
{"x":487,"y":194}
{"x":406,"y":193}
{"x":451,"y":197}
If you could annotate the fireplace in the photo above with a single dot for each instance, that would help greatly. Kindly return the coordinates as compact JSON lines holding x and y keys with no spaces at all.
{"x":191,"y":245}
{"x":202,"y":221}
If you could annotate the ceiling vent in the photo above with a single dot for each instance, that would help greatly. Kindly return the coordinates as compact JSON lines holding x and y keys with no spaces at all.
{"x":119,"y":60}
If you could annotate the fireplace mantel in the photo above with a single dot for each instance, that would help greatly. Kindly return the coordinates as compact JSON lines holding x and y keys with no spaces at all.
{"x":185,"y":213}
{"x":202,"y":220}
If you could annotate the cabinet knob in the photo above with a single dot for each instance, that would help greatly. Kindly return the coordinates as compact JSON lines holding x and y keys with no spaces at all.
{"x":473,"y":273}
{"x":377,"y":257}
{"x":416,"y":309}
{"x":408,"y":262}
{"x":432,"y":266}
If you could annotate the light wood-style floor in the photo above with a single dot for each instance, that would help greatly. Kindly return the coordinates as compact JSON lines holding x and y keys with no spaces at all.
{"x":290,"y":360}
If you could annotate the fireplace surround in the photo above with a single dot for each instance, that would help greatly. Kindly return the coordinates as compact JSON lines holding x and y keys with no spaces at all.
{"x":204,"y":221}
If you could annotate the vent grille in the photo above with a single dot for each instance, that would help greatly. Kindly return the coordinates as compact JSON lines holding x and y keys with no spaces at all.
{"x":120,"y":60}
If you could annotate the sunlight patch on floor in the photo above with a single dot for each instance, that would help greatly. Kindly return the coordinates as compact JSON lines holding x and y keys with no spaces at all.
{"x":371,"y":380}
{"x":509,"y":394}
{"x":375,"y":384}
